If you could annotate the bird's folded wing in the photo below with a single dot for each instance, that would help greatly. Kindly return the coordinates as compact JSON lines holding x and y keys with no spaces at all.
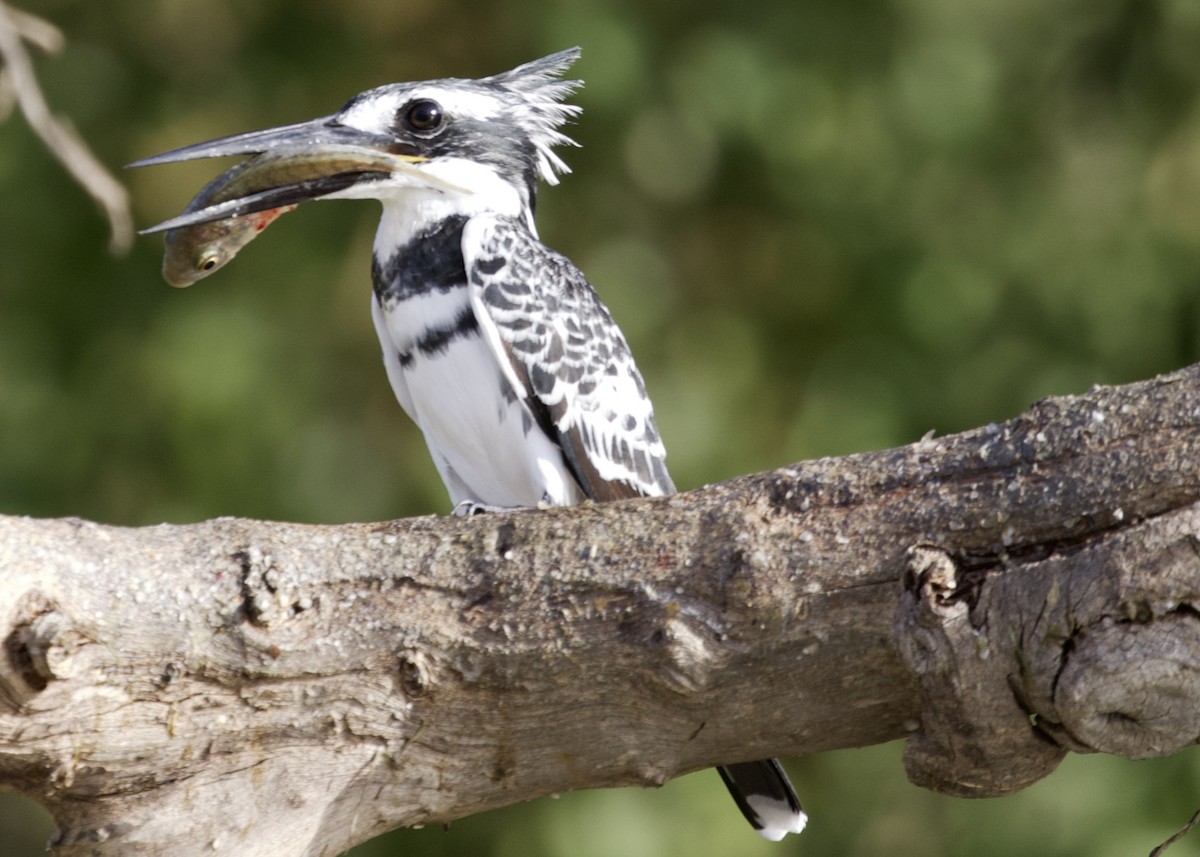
{"x":564,"y":355}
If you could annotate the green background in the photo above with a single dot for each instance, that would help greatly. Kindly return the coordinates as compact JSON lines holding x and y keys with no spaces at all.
{"x":826,"y":226}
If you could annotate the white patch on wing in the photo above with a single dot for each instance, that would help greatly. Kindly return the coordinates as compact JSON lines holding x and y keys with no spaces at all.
{"x":491,"y":336}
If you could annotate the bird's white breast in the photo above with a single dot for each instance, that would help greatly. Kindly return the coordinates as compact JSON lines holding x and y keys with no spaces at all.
{"x":495,"y":453}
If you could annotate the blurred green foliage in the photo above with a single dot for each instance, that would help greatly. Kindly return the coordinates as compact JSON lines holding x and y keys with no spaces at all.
{"x":826,"y":226}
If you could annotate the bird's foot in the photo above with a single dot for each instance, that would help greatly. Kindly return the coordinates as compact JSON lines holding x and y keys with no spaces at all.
{"x":469,"y":508}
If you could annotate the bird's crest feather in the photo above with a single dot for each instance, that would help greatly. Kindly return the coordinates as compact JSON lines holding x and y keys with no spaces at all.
{"x":540,"y":84}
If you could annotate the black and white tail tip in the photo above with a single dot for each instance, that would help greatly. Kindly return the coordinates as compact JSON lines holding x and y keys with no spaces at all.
{"x":765,"y":796}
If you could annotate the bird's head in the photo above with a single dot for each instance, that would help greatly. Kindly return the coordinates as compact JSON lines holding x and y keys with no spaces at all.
{"x":487,"y":140}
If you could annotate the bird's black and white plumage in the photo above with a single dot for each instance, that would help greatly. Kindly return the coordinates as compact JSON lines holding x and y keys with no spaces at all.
{"x":523,"y":385}
{"x":496,"y":346}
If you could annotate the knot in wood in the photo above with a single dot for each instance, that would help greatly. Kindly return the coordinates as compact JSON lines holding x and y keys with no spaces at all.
{"x":40,"y":648}
{"x":973,"y":739}
{"x":1133,"y":689}
{"x":414,"y":673}
{"x":269,"y":595}
{"x":932,"y":574}
{"x":931,"y":577}
{"x":691,"y":655}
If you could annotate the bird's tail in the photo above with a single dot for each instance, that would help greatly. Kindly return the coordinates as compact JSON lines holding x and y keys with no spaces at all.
{"x":765,"y":796}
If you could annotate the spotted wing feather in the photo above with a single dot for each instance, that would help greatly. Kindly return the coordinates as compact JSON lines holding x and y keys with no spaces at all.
{"x":563,"y":354}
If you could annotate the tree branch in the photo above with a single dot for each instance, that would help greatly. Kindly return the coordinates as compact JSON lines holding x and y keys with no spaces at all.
{"x":1000,"y":596}
{"x":19,"y":86}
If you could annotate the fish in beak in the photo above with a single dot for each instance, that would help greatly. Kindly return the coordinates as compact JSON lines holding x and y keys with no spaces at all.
{"x":293,"y":164}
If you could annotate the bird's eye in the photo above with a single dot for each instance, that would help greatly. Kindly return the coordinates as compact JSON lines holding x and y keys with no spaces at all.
{"x":424,"y":115}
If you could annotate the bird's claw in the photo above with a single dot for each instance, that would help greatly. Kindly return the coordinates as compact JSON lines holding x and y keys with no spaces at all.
{"x":469,"y":508}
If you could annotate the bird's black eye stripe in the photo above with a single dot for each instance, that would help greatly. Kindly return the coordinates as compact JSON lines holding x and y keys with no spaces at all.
{"x":424,"y":116}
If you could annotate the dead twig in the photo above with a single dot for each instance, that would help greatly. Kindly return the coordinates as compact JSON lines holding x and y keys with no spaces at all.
{"x":1177,"y":835}
{"x":19,"y":87}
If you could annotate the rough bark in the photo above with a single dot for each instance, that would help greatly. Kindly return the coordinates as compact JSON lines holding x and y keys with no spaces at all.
{"x":1000,"y":596}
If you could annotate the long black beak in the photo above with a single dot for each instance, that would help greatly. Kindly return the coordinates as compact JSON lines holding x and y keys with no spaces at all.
{"x":302,"y":135}
{"x":295,"y":163}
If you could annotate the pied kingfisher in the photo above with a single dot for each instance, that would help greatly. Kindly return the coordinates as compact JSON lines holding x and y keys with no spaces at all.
{"x":495,"y":345}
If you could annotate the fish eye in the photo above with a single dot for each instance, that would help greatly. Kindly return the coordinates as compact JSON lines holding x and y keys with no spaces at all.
{"x":424,"y":115}
{"x":208,"y":262}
